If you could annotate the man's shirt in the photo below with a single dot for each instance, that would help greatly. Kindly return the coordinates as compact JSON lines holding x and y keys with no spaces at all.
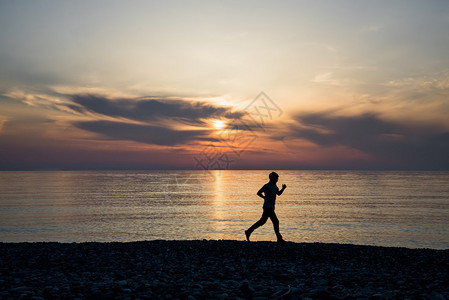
{"x":270,"y":191}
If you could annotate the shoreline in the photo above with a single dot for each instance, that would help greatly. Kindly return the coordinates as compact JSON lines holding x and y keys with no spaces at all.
{"x":223,"y":269}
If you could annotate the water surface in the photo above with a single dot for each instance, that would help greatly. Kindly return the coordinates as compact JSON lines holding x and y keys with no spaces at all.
{"x":386,"y":208}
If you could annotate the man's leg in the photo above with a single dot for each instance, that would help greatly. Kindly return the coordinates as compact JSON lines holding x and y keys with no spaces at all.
{"x":275,"y":221}
{"x":259,"y":223}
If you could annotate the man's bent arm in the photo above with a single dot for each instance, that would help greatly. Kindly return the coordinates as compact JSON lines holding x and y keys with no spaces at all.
{"x":282,"y":190}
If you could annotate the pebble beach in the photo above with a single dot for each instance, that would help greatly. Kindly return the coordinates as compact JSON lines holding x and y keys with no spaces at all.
{"x":222,"y":269}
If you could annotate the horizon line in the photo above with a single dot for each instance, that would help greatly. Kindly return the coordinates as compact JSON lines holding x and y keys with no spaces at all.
{"x":215,"y":170}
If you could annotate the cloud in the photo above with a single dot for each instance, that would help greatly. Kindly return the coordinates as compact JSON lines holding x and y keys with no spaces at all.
{"x":326,"y":78}
{"x":150,"y":113}
{"x":148,"y":134}
{"x":37,"y":99}
{"x":398,"y":145}
{"x":151,"y":109}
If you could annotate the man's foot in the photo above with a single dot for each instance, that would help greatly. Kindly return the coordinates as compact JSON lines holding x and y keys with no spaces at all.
{"x":247,"y":233}
{"x":281,"y":241}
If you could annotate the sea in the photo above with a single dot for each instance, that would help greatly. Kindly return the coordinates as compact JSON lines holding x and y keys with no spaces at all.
{"x":381,"y":208}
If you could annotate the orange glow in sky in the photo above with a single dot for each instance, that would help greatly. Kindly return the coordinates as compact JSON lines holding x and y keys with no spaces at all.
{"x":155,"y":85}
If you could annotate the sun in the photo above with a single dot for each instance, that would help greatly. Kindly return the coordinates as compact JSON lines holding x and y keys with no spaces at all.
{"x":219,"y":124}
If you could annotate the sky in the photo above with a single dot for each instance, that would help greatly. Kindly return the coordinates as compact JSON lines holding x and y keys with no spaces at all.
{"x":224,"y":85}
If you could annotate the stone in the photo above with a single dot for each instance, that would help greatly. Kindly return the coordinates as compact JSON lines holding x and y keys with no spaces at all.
{"x":122,"y":283}
{"x":223,"y":296}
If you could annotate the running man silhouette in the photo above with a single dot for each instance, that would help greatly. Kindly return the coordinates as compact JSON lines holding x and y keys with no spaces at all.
{"x":268,"y":192}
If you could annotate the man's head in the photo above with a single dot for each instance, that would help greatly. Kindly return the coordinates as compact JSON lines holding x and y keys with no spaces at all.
{"x":273,"y":177}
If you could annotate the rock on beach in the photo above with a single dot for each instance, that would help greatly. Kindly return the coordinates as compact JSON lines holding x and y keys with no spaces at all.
{"x":220,"y":270}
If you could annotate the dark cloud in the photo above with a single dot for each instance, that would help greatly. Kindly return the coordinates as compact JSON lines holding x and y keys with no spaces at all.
{"x":149,"y":112}
{"x":399,"y":145}
{"x":143,"y":133}
{"x":191,"y":112}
